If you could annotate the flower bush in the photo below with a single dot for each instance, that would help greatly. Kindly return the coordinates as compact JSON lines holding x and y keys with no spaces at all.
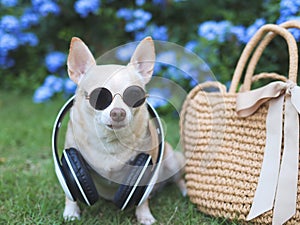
{"x":35,"y":35}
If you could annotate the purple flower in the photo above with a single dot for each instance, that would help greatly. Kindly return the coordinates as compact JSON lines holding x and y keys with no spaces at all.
{"x":69,"y":86}
{"x":288,"y":10}
{"x":2,"y":60}
{"x":29,"y":19}
{"x":143,"y":15}
{"x":140,"y":2}
{"x":8,"y":42}
{"x":136,"y":19}
{"x":5,"y":61}
{"x":29,"y":38}
{"x":49,"y":8}
{"x":222,"y":30}
{"x":9,"y":23}
{"x":207,"y":30}
{"x":159,"y":2}
{"x":54,"y":83}
{"x":164,"y":58}
{"x":55,"y":60}
{"x":212,"y":30}
{"x":239,"y":32}
{"x":289,"y":7}
{"x":191,"y":45}
{"x":37,"y":3}
{"x":126,"y":14}
{"x":167,"y":57}
{"x":125,"y":52}
{"x":129,"y":27}
{"x":85,"y":7}
{"x":158,"y":97}
{"x":9,"y":3}
{"x":42,"y":94}
{"x":250,"y":31}
{"x":185,"y":71}
{"x":157,"y":32}
{"x":173,"y":73}
{"x":45,"y":7}
{"x":295,"y":31}
{"x":157,"y":68}
{"x":135,"y":25}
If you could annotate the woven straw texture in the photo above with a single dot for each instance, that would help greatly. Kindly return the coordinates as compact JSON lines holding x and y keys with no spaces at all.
{"x":224,"y":155}
{"x":225,"y":152}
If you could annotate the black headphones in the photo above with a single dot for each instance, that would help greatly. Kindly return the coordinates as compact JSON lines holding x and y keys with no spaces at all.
{"x":77,"y":183}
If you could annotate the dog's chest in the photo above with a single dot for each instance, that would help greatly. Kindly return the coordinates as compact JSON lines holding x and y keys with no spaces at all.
{"x":106,"y":162}
{"x":109,"y":171}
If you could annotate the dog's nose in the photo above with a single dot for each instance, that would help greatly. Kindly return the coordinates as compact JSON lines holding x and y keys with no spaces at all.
{"x":118,"y":114}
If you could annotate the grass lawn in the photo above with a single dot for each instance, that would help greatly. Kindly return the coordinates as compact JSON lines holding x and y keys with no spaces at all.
{"x":29,"y":190}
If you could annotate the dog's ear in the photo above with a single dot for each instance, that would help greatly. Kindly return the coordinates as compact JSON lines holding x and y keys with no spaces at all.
{"x":80,"y":59}
{"x":143,"y":58}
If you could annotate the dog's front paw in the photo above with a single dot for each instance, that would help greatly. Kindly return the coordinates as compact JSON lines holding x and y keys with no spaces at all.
{"x":71,"y":212}
{"x":146,"y":219}
{"x":143,"y":214}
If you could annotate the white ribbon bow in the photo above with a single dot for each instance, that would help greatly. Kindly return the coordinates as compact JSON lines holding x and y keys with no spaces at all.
{"x":278,"y":182}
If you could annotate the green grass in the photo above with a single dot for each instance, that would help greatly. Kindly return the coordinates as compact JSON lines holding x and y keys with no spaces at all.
{"x":29,"y":190}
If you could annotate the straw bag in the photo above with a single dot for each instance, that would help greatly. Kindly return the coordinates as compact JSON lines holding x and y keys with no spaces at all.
{"x":242,"y":148}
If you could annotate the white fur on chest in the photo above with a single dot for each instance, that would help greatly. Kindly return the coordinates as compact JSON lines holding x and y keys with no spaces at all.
{"x":108,"y":151}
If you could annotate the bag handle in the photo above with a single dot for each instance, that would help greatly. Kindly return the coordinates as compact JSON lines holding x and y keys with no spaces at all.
{"x":292,"y":47}
{"x":259,"y":51}
{"x":264,"y":75}
{"x":208,"y":84}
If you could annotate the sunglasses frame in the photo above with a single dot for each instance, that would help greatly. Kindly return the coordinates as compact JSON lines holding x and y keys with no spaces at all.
{"x":88,"y":97}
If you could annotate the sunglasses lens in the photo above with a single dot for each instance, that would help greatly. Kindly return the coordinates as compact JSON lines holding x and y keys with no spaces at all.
{"x":134,"y":96}
{"x":100,"y":98}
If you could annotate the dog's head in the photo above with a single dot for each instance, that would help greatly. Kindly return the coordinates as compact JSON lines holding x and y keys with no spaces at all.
{"x":112,"y":93}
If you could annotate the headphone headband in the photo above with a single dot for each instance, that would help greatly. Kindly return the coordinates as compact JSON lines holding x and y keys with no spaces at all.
{"x":57,"y":165}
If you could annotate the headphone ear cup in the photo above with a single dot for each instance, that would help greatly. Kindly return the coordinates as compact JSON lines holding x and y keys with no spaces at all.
{"x":78,"y":177}
{"x":124,"y":191}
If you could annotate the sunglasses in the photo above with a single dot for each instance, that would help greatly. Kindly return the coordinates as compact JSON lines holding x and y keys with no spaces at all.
{"x":100,"y":98}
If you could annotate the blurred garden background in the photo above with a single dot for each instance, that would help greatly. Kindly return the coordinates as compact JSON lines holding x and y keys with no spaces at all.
{"x":35,"y":35}
{"x":34,"y":43}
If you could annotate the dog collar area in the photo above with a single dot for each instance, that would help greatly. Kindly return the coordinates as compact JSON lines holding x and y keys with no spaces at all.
{"x":155,"y":168}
